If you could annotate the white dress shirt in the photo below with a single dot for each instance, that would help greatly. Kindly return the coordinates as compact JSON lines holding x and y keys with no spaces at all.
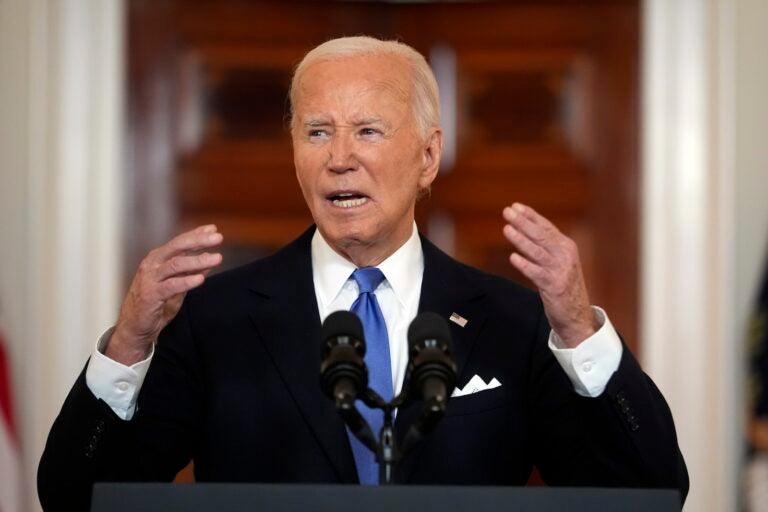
{"x":398,"y":295}
{"x":588,"y":366}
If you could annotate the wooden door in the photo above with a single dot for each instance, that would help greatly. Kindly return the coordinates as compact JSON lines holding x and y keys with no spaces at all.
{"x":542,"y":96}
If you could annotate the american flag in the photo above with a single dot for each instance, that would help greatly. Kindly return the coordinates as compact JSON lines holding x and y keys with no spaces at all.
{"x":10,"y":472}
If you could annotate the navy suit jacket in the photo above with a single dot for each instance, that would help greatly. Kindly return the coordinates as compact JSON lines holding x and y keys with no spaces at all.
{"x":234,"y":385}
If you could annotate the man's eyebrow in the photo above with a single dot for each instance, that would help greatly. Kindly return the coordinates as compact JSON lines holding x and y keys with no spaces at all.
{"x":314,"y":123}
{"x":317,"y":122}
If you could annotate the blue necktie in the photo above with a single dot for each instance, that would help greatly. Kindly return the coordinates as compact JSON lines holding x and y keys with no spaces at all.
{"x":379,"y":367}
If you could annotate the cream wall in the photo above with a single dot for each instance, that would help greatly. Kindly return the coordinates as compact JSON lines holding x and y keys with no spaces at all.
{"x":14,"y":216}
{"x":751,"y":190}
{"x":60,"y":202}
{"x":705,"y":222}
{"x":751,"y":230}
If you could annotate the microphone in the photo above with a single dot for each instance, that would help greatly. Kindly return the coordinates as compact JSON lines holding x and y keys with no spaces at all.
{"x":343,"y":375}
{"x":431,"y":368}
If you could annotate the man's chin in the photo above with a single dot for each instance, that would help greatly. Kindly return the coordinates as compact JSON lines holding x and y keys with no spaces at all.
{"x":345,"y":237}
{"x":348,"y":238}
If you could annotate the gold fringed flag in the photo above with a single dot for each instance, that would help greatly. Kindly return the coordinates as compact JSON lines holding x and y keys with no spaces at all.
{"x":10,"y":481}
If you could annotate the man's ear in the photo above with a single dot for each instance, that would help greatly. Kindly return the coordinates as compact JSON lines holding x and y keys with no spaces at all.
{"x":432,"y":151}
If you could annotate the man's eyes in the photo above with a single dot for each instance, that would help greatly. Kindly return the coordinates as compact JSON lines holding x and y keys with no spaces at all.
{"x":324,"y":133}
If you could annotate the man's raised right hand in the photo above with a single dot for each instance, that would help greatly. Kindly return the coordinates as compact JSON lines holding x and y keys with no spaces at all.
{"x":158,"y":289}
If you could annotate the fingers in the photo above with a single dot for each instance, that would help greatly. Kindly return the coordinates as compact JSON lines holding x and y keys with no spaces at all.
{"x":536,"y":273}
{"x":158,"y":289}
{"x":527,"y":247}
{"x":177,"y":271}
{"x":530,"y":223}
{"x":198,"y":239}
{"x":543,"y":254}
{"x":177,"y":285}
{"x":184,"y":265}
{"x":174,"y":259}
{"x":533,"y":236}
{"x":173,"y":268}
{"x":551,"y":261}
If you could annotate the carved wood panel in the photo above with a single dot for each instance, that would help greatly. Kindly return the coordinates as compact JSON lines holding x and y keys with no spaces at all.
{"x":545,"y":111}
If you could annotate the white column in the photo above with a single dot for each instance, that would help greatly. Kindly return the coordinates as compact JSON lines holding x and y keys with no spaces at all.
{"x":751,"y":209}
{"x":752,"y":152}
{"x":689,"y":336}
{"x":60,"y":172}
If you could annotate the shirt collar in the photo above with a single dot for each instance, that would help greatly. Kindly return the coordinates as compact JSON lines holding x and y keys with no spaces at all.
{"x":402,"y":269}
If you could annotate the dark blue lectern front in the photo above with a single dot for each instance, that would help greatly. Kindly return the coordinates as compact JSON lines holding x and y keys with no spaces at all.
{"x":349,"y":498}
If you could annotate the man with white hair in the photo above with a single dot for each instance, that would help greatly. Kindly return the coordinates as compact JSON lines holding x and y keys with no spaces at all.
{"x":233,"y":379}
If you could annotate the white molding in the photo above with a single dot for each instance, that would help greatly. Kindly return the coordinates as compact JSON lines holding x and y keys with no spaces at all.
{"x":687,"y":237}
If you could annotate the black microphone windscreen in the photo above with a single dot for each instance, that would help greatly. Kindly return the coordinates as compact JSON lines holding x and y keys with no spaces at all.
{"x":342,"y":323}
{"x":429,"y":325}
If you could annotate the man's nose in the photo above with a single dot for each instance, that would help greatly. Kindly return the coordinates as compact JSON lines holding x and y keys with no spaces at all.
{"x":341,"y":153}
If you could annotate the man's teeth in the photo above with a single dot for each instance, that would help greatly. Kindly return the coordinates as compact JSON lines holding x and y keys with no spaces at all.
{"x":349,"y":203}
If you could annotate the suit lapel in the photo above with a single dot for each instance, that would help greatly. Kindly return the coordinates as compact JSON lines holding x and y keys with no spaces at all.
{"x":287,"y":320}
{"x":446,"y":288}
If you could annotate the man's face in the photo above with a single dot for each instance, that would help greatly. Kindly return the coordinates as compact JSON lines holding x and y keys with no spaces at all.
{"x":360,"y":159}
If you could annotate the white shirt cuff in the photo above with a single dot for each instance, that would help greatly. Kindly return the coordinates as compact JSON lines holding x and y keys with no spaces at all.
{"x":118,"y":385}
{"x":591,"y":364}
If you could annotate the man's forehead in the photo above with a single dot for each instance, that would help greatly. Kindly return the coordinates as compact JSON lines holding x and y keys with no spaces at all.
{"x":366,"y":110}
{"x":357,"y":75}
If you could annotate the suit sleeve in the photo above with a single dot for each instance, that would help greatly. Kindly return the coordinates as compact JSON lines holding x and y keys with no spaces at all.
{"x":625,"y":437}
{"x":89,"y":443}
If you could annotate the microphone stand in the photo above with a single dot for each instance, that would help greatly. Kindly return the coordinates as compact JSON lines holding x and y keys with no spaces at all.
{"x":343,"y":374}
{"x":388,"y":453}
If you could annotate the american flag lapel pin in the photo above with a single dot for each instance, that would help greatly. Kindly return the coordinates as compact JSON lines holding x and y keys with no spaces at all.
{"x":458,"y":319}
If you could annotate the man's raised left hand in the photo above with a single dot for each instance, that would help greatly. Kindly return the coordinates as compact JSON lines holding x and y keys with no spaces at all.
{"x":551,"y":261}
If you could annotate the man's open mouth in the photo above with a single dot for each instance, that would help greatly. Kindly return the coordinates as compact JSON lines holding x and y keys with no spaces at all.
{"x":348,"y":199}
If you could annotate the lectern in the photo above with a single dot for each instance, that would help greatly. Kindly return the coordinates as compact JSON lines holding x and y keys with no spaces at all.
{"x":114,"y":497}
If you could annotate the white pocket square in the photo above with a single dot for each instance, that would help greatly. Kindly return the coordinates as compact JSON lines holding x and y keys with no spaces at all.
{"x":475,"y":385}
